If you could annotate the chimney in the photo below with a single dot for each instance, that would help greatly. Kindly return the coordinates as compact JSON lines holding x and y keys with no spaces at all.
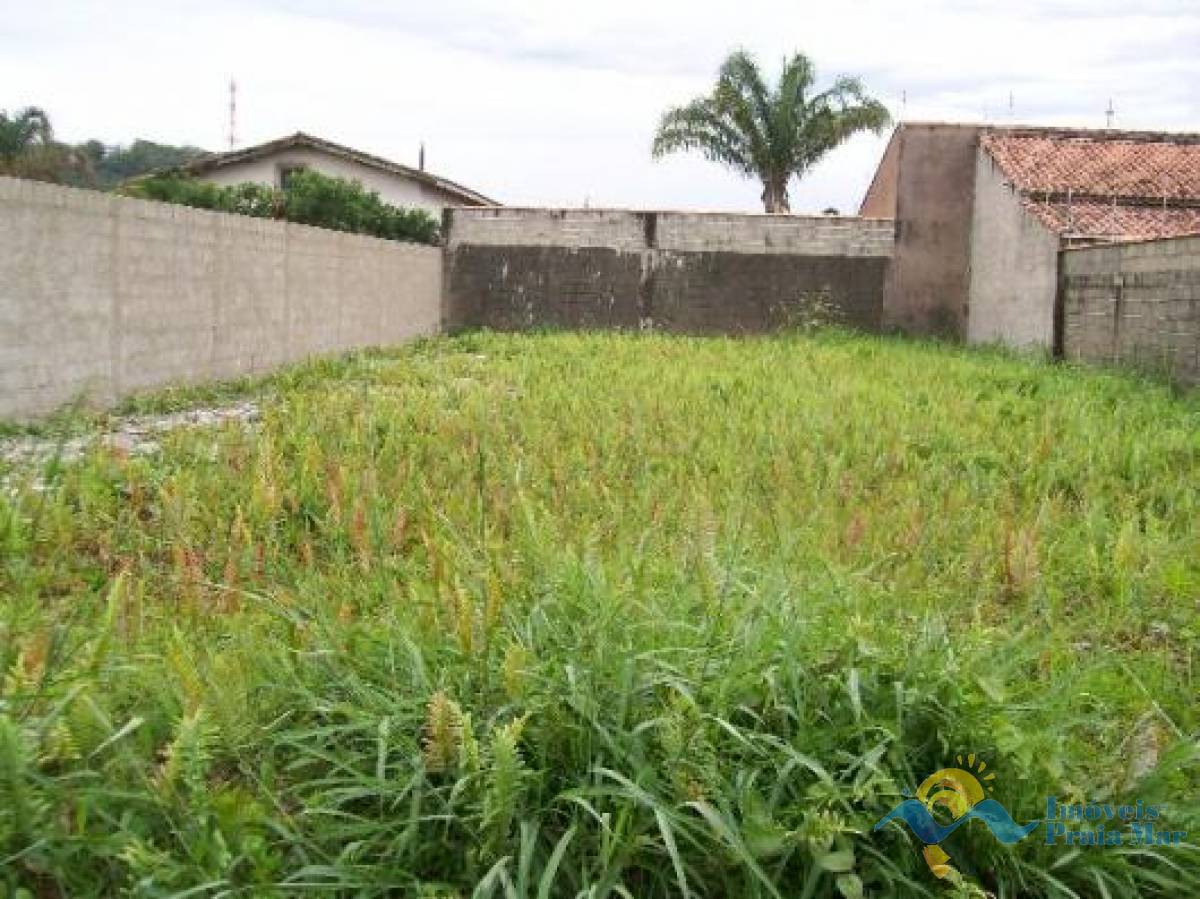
{"x":421,"y":157}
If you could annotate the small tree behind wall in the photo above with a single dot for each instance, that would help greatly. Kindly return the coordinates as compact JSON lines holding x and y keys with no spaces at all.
{"x":309,"y":199}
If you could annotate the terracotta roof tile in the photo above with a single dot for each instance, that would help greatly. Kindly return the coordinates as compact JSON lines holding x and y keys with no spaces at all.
{"x":1093,"y":164}
{"x":1103,"y":184}
{"x":1104,"y":220}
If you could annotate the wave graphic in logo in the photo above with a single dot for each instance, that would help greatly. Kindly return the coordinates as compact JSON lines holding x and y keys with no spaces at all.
{"x":914,"y":813}
{"x":960,"y":793}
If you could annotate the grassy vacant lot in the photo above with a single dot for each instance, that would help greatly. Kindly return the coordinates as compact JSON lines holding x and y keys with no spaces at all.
{"x":607,"y":615}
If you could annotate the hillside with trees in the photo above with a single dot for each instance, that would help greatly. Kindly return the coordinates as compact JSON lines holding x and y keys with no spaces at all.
{"x":29,"y":149}
{"x":113,"y":164}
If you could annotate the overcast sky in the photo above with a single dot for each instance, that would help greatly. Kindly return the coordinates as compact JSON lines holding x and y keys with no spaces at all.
{"x":555,"y":102}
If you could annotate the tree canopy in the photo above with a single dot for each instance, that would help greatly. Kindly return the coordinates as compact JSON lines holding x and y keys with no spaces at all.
{"x":23,"y":131}
{"x":113,"y":165}
{"x":310,"y":198}
{"x":28,"y":149}
{"x":770,"y":132}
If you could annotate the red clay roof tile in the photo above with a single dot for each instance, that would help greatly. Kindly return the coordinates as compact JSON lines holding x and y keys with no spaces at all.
{"x":1103,"y":184}
{"x":1100,"y":220}
{"x":1092,"y":164}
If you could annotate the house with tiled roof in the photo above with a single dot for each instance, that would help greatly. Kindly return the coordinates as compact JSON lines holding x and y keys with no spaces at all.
{"x":982,"y":212}
{"x":273,"y":163}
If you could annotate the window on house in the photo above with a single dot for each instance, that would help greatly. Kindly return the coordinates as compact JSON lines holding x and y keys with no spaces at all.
{"x":286,"y":172}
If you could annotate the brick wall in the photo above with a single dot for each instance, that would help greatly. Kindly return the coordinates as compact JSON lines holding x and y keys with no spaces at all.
{"x":689,"y":272}
{"x":1134,"y":303}
{"x":103,"y":295}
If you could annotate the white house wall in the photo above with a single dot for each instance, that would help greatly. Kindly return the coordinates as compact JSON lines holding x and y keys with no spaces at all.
{"x":392,"y":188}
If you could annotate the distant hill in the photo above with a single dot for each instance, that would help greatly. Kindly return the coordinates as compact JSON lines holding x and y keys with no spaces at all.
{"x":111,"y":165}
{"x":28,"y":149}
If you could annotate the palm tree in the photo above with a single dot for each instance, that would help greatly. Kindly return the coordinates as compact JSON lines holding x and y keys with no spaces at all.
{"x":765,"y":133}
{"x":28,"y":150}
{"x":22,"y":131}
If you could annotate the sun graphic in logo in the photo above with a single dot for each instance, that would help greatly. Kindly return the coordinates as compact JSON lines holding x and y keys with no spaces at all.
{"x":948,"y":799}
{"x":952,"y":792}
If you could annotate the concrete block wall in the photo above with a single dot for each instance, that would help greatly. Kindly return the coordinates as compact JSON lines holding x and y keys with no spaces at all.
{"x":688,"y":272}
{"x":101,"y":295}
{"x":1134,"y":303}
{"x":516,"y":226}
{"x":775,"y":234}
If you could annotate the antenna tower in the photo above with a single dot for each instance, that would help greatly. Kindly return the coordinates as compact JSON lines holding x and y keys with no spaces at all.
{"x":232,"y":113}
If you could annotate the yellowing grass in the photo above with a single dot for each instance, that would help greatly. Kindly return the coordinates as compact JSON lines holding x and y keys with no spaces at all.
{"x":637,"y":615}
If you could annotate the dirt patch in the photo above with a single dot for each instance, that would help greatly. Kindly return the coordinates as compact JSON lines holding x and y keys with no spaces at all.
{"x":137,"y":435}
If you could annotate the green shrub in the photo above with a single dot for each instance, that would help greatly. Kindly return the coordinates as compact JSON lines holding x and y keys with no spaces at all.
{"x":315,"y":199}
{"x":309,"y":199}
{"x":243,"y":199}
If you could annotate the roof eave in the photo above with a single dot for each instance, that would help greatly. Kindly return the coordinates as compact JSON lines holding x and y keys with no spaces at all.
{"x":307,"y":141}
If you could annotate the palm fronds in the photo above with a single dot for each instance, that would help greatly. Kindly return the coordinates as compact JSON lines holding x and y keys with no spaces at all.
{"x":769,"y":133}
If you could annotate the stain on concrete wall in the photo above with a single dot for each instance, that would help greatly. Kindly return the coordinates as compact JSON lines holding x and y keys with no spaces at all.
{"x":687,"y":272}
{"x":103,"y":295}
{"x":515,"y":288}
{"x":929,"y":281}
{"x":745,"y":293}
{"x":1134,"y":303}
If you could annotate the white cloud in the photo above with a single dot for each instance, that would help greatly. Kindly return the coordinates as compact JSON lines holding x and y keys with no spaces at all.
{"x":536,"y":101}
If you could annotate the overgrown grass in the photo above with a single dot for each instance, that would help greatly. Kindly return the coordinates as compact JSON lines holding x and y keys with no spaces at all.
{"x":604,"y":615}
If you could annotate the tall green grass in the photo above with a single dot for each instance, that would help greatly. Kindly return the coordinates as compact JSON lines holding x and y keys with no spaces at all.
{"x":607,"y":615}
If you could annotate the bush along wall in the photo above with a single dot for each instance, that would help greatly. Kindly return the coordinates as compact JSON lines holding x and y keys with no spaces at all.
{"x":309,"y":199}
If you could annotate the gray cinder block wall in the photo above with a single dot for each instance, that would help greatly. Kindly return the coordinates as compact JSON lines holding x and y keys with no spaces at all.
{"x":511,"y":268}
{"x":1134,"y":303}
{"x":102,"y":295}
